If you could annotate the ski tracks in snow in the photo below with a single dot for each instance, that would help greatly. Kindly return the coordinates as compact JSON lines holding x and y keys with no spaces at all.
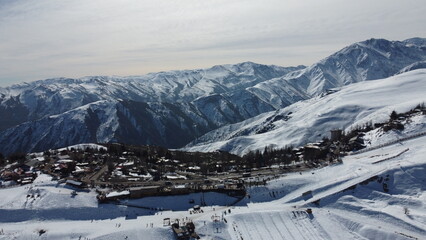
{"x":278,"y":225}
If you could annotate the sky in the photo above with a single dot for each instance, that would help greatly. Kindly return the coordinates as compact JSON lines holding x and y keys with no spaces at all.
{"x":42,"y":39}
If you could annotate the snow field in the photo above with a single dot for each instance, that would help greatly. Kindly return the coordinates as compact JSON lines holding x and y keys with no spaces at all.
{"x":365,"y":211}
{"x":312,"y":119}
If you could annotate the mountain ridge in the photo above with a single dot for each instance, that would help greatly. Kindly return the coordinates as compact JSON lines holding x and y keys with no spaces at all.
{"x":308,"y":121}
{"x":193,"y":102}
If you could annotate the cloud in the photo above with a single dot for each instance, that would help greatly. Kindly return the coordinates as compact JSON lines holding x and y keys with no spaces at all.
{"x":44,"y":38}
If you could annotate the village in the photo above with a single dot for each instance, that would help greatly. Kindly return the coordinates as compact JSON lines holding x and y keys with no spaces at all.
{"x":124,"y":171}
{"x":118,"y":172}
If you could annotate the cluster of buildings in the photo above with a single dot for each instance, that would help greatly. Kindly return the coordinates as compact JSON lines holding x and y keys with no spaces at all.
{"x":13,"y":174}
{"x":166,"y":188}
{"x":185,"y":231}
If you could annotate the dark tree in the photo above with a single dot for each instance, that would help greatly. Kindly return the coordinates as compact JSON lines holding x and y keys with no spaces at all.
{"x":2,"y":160}
{"x":18,"y":157}
{"x":393,"y":115}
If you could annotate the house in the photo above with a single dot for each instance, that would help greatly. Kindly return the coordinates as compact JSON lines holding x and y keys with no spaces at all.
{"x":26,"y":180}
{"x":62,"y":157}
{"x":9,"y":175}
{"x":75,"y":183}
{"x":117,"y":195}
{"x":180,"y":189}
{"x":311,"y":152}
{"x":138,"y":192}
{"x":174,"y":176}
{"x":246,"y":174}
{"x":356,"y":142}
{"x":181,"y":233}
{"x":194,"y":169}
{"x":186,"y":232}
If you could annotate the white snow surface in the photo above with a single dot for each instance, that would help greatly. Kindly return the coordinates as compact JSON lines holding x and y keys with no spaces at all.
{"x":412,"y":126}
{"x":142,"y":109}
{"x":311,"y":120}
{"x":352,"y":205}
{"x":115,"y":109}
{"x":84,"y":146}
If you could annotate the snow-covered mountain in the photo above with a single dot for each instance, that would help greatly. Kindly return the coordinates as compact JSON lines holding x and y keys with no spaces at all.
{"x":310,"y":120}
{"x":172,"y":108}
{"x":32,"y":101}
{"x":367,"y":60}
{"x":379,"y":194}
{"x":166,"y":108}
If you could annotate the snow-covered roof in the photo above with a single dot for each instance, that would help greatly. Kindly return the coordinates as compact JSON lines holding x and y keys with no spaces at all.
{"x":118,"y":194}
{"x":73,"y":182}
{"x":65,"y":161}
{"x":40,"y":159}
{"x":84,"y":146}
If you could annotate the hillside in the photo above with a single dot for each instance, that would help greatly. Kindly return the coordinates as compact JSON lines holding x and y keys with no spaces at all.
{"x":368,"y":60}
{"x":311,"y":120}
{"x":375,"y":194}
{"x":173,"y":108}
{"x":138,"y":109}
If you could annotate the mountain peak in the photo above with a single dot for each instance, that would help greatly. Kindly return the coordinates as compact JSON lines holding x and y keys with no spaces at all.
{"x":421,"y":42}
{"x":190,"y":101}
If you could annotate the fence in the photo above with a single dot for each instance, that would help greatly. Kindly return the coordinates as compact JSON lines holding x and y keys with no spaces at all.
{"x":392,"y":157}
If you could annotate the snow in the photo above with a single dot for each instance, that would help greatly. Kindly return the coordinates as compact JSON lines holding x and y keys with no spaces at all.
{"x":118,"y":194}
{"x":131,"y":109}
{"x":377,"y":194}
{"x":75,"y":183}
{"x":99,"y":108}
{"x":377,"y":137}
{"x":352,"y":205}
{"x":40,"y":159}
{"x":414,"y":66}
{"x":65,"y":161}
{"x":84,"y":146}
{"x":311,"y":120}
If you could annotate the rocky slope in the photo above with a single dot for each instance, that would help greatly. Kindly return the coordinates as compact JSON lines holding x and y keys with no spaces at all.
{"x":173,"y":108}
{"x":312,"y":119}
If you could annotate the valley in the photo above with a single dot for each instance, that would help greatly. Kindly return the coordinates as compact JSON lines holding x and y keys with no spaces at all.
{"x":334,"y":150}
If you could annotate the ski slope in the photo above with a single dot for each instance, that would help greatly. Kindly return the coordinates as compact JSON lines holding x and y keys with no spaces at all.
{"x":348,"y":202}
{"x":344,"y":211}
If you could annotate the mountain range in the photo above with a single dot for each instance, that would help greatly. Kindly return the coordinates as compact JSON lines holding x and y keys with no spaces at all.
{"x":311,"y":120}
{"x":174,"y":108}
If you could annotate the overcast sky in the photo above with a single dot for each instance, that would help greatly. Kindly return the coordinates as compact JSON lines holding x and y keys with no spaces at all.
{"x":73,"y":38}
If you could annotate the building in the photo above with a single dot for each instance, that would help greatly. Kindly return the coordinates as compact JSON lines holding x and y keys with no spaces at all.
{"x":138,"y":192}
{"x":186,"y":232}
{"x":311,"y":152}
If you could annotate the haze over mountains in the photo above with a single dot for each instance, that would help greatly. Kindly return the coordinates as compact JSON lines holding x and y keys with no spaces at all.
{"x":173,"y":108}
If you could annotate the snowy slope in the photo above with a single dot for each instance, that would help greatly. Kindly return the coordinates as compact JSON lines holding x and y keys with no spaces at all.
{"x":54,"y":96}
{"x":64,"y":129}
{"x":412,"y":126}
{"x":352,"y":201}
{"x":368,"y":60}
{"x":191,"y":102}
{"x":310,"y":120}
{"x":352,"y":205}
{"x":110,"y":121}
{"x":414,"y":66}
{"x":142,"y":109}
